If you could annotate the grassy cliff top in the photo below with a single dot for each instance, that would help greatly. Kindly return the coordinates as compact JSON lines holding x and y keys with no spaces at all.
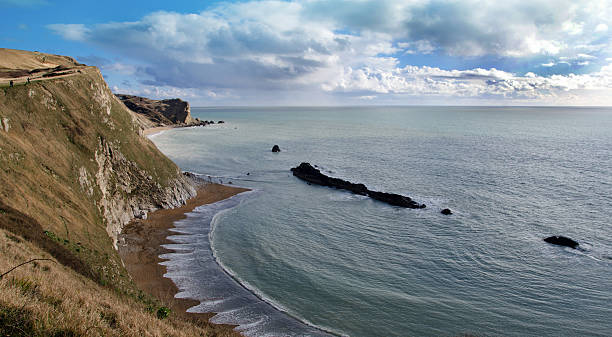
{"x":72,"y":160}
{"x":27,"y":60}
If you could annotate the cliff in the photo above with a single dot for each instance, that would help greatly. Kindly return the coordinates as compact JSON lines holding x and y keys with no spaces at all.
{"x":155,"y":113}
{"x":71,"y":139}
{"x":74,"y":169}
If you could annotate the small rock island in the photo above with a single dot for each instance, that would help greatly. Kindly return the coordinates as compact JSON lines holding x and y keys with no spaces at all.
{"x":562,"y":241}
{"x":312,"y":175}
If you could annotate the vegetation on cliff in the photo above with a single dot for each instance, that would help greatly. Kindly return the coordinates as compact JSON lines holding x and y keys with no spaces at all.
{"x":73,"y":170}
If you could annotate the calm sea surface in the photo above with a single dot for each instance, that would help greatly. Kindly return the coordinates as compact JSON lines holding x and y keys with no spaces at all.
{"x":307,"y":259}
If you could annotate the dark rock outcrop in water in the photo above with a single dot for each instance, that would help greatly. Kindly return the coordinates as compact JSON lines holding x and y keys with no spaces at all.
{"x":446,"y":211}
{"x":310,"y":174}
{"x":562,"y":241}
{"x":276,"y":148}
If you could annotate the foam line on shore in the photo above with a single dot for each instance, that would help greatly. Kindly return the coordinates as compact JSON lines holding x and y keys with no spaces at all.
{"x":244,"y":305}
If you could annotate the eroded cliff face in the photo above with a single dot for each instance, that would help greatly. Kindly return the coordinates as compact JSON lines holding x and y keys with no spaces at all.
{"x":73,"y":157}
{"x":127,"y":191}
{"x":74,"y":169}
{"x":159,"y":112}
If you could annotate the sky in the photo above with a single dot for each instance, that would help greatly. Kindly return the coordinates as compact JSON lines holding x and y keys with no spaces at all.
{"x":335,"y":52}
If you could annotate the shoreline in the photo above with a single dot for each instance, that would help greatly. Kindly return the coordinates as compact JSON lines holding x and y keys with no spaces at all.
{"x":158,"y":129}
{"x":141,"y":246}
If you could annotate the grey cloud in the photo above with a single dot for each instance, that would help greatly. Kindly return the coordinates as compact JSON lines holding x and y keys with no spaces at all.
{"x":226,"y":74}
{"x":337,"y":45}
{"x":356,"y":15}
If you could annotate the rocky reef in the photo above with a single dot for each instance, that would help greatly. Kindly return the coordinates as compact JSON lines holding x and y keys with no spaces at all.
{"x":562,"y":241}
{"x":308,"y":173}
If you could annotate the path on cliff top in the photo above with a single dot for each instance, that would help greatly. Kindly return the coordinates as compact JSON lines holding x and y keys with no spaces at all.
{"x":18,"y":65}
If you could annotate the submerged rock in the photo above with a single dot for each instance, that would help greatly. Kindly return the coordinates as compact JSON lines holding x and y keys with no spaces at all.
{"x":562,"y":241}
{"x":446,"y":211}
{"x":312,"y":175}
{"x":276,"y":148}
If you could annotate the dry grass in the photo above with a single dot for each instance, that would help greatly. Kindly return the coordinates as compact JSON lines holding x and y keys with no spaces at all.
{"x":49,"y":299}
{"x":55,"y":129}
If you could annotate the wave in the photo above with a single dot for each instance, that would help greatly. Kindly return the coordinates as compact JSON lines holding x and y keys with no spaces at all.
{"x":199,"y":274}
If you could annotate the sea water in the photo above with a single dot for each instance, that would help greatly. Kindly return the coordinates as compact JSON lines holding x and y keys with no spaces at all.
{"x":296,"y":259}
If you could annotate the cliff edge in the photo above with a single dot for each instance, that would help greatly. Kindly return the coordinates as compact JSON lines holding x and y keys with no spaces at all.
{"x":155,"y":113}
{"x":74,"y":169}
{"x":69,"y":138}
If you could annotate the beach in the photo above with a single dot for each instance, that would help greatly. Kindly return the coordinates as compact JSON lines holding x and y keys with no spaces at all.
{"x":141,"y":245}
{"x":152,"y":131}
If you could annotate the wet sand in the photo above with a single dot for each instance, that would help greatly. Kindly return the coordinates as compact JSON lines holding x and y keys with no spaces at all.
{"x":142,"y":246}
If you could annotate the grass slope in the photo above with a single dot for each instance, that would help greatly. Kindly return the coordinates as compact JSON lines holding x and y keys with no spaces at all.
{"x":49,"y":207}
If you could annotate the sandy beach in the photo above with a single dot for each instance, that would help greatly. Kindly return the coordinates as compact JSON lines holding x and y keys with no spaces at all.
{"x":152,"y":131}
{"x":142,"y":247}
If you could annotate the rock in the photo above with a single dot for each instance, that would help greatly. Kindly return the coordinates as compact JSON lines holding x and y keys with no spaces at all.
{"x":167,"y":111}
{"x":312,"y":175}
{"x":276,"y":148}
{"x":394,"y":199}
{"x":562,"y":241}
{"x":446,"y":211}
{"x":142,"y":215}
{"x":5,"y":124}
{"x":220,"y":122}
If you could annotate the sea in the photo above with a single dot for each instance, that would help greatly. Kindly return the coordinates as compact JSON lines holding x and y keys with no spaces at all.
{"x":293,"y":259}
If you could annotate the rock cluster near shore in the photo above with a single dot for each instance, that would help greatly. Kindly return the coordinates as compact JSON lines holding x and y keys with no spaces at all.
{"x":312,"y":175}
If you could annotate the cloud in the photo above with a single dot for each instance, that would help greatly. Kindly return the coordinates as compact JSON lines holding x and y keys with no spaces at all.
{"x":485,"y":83}
{"x":76,"y":32}
{"x":602,"y":27}
{"x":356,"y":47}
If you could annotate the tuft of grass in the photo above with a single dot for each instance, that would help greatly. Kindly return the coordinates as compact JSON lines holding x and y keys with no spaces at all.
{"x":16,"y":322}
{"x":163,"y":312}
{"x":27,"y":286}
{"x":110,"y":318}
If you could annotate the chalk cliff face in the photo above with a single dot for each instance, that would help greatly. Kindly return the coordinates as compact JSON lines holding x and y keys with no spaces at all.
{"x":159,"y":113}
{"x":72,"y":156}
{"x":128,"y":191}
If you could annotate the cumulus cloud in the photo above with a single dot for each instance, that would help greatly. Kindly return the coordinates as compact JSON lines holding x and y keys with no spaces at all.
{"x":602,"y":27}
{"x":488,"y":83}
{"x":355,"y":47}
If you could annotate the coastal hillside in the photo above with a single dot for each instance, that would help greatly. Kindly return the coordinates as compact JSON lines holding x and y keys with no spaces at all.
{"x":155,"y":113}
{"x":74,"y":169}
